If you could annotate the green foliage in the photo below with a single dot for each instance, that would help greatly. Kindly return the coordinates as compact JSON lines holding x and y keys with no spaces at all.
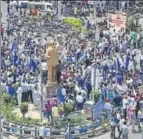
{"x":15,"y":86}
{"x":108,"y":122}
{"x":75,"y":22}
{"x":94,"y":95}
{"x":5,"y":111}
{"x":5,"y":98}
{"x":77,"y":120}
{"x":24,"y":108}
{"x":67,"y":108}
{"x":74,"y":120}
{"x":26,"y":121}
{"x":8,"y":107}
{"x":133,"y":24}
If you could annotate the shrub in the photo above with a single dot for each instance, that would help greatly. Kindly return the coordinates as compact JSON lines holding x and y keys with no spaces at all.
{"x":67,"y":108}
{"x":75,"y":22}
{"x":6,"y":98}
{"x":15,"y":86}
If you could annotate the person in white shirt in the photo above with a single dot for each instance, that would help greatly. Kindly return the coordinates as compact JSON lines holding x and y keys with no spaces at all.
{"x":44,"y":71}
{"x":83,"y":93}
{"x":44,"y":43}
{"x":29,"y":92}
{"x":77,"y":89}
{"x":24,"y":91}
{"x":19,"y":94}
{"x":10,"y":80}
{"x":63,"y":91}
{"x":129,"y":81}
{"x":125,"y":105}
{"x":79,"y":100}
{"x":35,"y":94}
{"x":3,"y":86}
{"x":124,"y":130}
{"x":41,"y":131}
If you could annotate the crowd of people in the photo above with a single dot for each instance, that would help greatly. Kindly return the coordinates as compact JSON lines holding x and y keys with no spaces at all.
{"x":117,"y":56}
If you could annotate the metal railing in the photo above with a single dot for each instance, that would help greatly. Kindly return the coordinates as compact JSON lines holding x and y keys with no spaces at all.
{"x":21,"y":131}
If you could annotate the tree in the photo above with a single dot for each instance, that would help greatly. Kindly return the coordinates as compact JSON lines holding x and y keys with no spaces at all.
{"x":24,"y":108}
{"x":133,"y":24}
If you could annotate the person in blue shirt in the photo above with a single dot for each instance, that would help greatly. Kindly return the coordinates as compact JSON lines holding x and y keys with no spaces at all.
{"x":60,"y":96}
{"x":113,"y":123}
{"x":8,"y":9}
{"x":81,"y":82}
{"x":88,"y":86}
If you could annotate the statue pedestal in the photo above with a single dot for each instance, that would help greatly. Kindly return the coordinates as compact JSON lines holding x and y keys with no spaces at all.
{"x":51,"y":91}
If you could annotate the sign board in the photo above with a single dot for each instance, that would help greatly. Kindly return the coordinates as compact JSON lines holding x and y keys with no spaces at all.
{"x":88,"y":109}
{"x":117,"y":21}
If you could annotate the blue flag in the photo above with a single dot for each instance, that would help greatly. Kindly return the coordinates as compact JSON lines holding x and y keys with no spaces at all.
{"x":118,"y":65}
{"x":60,"y":95}
{"x":119,"y":78}
{"x":15,"y":58}
{"x":14,"y":46}
{"x":127,"y":62}
{"x":33,"y":64}
{"x":11,"y":91}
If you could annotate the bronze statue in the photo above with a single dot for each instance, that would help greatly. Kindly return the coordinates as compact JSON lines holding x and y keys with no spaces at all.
{"x":52,"y":55}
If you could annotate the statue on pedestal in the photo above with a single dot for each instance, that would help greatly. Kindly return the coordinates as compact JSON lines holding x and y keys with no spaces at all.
{"x":52,"y":55}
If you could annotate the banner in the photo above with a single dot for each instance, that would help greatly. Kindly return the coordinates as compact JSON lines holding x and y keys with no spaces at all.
{"x":97,"y":110}
{"x":117,"y":21}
